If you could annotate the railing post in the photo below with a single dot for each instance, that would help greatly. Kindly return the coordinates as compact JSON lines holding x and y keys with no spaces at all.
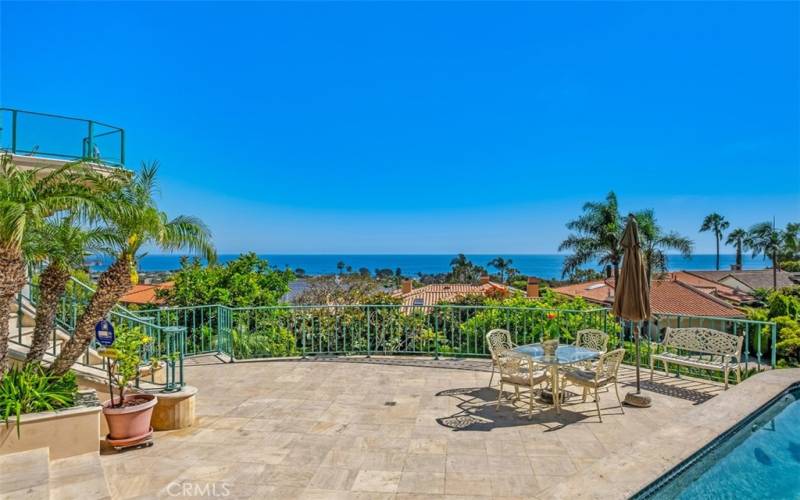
{"x":181,"y":347}
{"x":90,"y":140}
{"x":19,"y":317}
{"x":436,"y":332}
{"x":368,"y":333}
{"x":14,"y":131}
{"x":773,"y":346}
{"x":122,"y":146}
{"x":219,"y":328}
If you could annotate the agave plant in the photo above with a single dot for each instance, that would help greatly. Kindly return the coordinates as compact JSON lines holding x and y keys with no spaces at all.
{"x":130,"y":221}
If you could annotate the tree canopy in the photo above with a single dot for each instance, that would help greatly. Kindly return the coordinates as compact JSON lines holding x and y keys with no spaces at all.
{"x":243,"y":282}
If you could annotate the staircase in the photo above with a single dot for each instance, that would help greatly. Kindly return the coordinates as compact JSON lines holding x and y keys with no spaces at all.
{"x":32,"y":475}
{"x":91,"y":364}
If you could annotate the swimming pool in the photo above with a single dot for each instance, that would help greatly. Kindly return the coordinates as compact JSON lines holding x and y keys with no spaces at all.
{"x":758,"y":458}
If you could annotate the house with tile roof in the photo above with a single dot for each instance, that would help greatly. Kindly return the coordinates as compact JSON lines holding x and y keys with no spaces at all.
{"x":727,"y":293}
{"x":430,"y":295}
{"x":750,"y":280}
{"x":667,"y":297}
{"x":145,"y":294}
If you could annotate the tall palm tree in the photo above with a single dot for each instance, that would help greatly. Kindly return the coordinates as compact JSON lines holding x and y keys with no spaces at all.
{"x":462,"y":270}
{"x":62,"y":244}
{"x":131,"y":220}
{"x":655,"y":243}
{"x":791,"y":241}
{"x":766,"y":240}
{"x":502,"y":265}
{"x":596,"y":237}
{"x":736,"y":238}
{"x":717,"y":224}
{"x":27,"y":197}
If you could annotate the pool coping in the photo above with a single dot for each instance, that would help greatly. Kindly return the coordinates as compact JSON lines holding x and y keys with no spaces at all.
{"x":622,"y":476}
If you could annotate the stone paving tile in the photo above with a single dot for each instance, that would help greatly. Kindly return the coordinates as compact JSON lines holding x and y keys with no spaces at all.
{"x":417,"y":462}
{"x":468,"y":484}
{"x":388,"y":428}
{"x":429,"y":483}
{"x":379,"y":481}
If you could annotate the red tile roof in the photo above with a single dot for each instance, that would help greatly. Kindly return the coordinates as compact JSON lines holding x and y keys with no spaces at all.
{"x":712,"y":287}
{"x":145,"y":294}
{"x":666,"y":297}
{"x":433,"y":294}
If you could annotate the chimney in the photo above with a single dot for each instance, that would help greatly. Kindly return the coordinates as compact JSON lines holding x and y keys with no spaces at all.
{"x":406,"y":287}
{"x":533,"y":288}
{"x":485,"y":279}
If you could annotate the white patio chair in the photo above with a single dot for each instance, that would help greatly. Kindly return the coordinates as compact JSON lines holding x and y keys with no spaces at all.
{"x":520,"y":371}
{"x":604,"y":374}
{"x":499,"y":341}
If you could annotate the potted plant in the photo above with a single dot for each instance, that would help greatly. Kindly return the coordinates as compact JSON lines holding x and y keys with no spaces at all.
{"x":552,"y":333}
{"x":128,"y":414}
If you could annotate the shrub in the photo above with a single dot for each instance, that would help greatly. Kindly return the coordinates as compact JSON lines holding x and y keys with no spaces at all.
{"x":31,"y":389}
{"x":792,"y":266}
{"x":788,"y":345}
{"x":266,"y":341}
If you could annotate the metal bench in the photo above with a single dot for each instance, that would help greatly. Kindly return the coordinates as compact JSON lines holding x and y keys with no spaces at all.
{"x":699,"y":348}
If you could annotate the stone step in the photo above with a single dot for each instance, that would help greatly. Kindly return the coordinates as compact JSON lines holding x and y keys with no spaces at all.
{"x":79,"y":477}
{"x":61,"y":338}
{"x":25,"y":475}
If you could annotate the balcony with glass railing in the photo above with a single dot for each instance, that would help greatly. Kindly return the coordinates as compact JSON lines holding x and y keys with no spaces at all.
{"x":48,"y":140}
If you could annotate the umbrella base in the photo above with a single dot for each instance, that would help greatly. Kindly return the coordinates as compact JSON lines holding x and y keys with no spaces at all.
{"x":637,"y":400}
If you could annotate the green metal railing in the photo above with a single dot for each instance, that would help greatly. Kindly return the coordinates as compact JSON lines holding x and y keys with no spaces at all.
{"x":441,"y":330}
{"x":451,"y":330}
{"x":167,"y":346}
{"x":759,"y":338}
{"x":62,"y":137}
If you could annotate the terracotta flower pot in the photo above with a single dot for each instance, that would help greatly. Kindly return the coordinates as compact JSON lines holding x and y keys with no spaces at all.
{"x":132,"y":420}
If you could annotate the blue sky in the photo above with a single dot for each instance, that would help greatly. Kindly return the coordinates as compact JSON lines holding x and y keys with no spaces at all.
{"x":429,"y":128}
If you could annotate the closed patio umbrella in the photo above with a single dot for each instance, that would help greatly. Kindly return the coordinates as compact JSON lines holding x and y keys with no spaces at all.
{"x":632,"y":295}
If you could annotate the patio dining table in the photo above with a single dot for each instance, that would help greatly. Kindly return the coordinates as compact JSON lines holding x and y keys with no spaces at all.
{"x":566,"y":355}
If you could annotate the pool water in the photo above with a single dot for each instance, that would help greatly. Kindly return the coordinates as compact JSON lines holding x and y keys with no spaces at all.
{"x":759,"y":460}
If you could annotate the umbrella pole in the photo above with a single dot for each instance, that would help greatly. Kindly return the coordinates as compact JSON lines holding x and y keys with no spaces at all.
{"x":637,"y":398}
{"x":638,"y":358}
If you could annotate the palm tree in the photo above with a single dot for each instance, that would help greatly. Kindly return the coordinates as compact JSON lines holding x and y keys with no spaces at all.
{"x":764,"y":239}
{"x":791,"y":241}
{"x":130,"y":221}
{"x":63,"y":245}
{"x":655,"y":243}
{"x":340,"y":266}
{"x":596,"y":237}
{"x":736,"y":238}
{"x":462,"y":270}
{"x":502,"y":265}
{"x":27,"y":197}
{"x":717,"y":224}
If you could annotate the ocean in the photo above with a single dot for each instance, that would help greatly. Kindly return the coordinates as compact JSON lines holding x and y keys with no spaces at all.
{"x":540,"y":265}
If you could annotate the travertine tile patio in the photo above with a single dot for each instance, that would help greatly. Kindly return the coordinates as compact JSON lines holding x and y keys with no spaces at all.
{"x":380,"y":428}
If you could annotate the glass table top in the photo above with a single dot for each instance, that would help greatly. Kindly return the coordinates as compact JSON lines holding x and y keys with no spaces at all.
{"x":565,"y":354}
